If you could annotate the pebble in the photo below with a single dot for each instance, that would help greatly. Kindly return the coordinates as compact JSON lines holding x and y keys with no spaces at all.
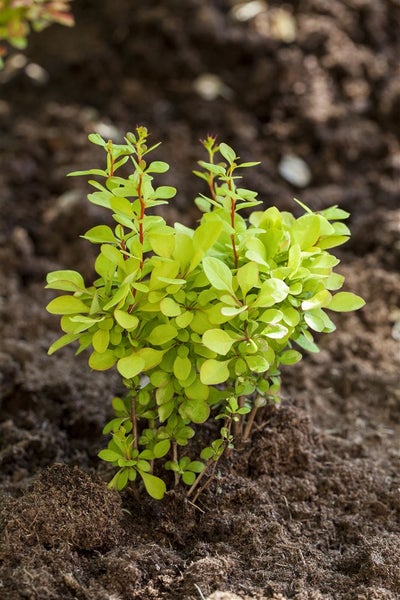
{"x":245,"y":11}
{"x":295,"y":170}
{"x":36,"y":73}
{"x":210,"y":87}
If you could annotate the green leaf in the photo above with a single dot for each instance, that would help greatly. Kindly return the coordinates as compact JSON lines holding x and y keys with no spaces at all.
{"x":218,"y":273}
{"x":162,"y":244}
{"x":161,"y":448}
{"x":322,"y":298}
{"x":306,"y":343}
{"x":96,"y":138}
{"x":151,"y":357}
{"x":215,"y":169}
{"x":120,"y":205}
{"x":184,"y":319}
{"x":66,"y":305}
{"x":102,"y":198}
{"x":194,"y":410}
{"x":290,"y":357}
{"x":162,"y":334}
{"x":113,"y":425}
{"x":218,"y":340}
{"x":227,"y":152}
{"x":169,"y":307}
{"x":213,"y":371}
{"x":196,"y":466}
{"x":188,"y":477}
{"x":130,"y":366}
{"x":333,"y":212}
{"x":247,"y":277}
{"x":62,"y":341}
{"x":276,"y":331}
{"x":197,"y":391}
{"x":155,"y":486}
{"x":109,"y":455}
{"x":257,"y":363}
{"x":100,"y":340}
{"x":119,"y":296}
{"x":165,"y":192}
{"x":334,"y":282}
{"x":182,"y":368}
{"x":331,"y":241}
{"x":122,"y":479}
{"x":100,"y":234}
{"x":165,"y":410}
{"x":113,"y":255}
{"x":67,"y":281}
{"x":126,"y":320}
{"x":233,"y":311}
{"x":103,"y":361}
{"x":306,"y":231}
{"x":345,"y":301}
{"x":272,"y":291}
{"x":157,"y":166}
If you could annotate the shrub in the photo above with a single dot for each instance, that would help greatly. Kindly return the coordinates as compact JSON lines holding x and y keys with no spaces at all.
{"x":18,"y":17}
{"x":196,"y":321}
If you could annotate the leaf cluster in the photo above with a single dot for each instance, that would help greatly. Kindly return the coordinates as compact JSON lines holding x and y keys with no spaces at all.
{"x":18,"y":17}
{"x":196,"y":321}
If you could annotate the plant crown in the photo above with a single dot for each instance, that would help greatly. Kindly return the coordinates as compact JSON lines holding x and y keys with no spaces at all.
{"x":18,"y":17}
{"x":196,"y":321}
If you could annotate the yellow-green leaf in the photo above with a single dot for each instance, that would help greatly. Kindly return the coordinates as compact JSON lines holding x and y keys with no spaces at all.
{"x":162,"y":334}
{"x":67,"y":305}
{"x":126,"y":320}
{"x":346,"y":301}
{"x":155,"y":486}
{"x":130,"y":366}
{"x":218,"y":340}
{"x":103,"y":361}
{"x":213,"y":371}
{"x":100,"y":340}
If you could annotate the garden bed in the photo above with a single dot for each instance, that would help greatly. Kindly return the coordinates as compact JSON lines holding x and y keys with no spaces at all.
{"x":308,"y":509}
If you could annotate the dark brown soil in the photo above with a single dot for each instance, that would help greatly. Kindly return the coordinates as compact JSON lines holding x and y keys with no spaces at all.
{"x":311,"y":508}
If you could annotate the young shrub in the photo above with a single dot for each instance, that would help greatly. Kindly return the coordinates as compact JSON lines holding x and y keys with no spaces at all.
{"x":196,"y":321}
{"x":18,"y":17}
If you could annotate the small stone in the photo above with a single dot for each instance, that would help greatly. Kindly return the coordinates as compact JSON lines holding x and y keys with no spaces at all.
{"x":245,"y":11}
{"x":283,"y":25}
{"x":295,"y":170}
{"x":210,"y":87}
{"x":37,"y":73}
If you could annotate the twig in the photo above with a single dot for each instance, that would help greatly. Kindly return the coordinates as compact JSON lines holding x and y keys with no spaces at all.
{"x":249,"y":424}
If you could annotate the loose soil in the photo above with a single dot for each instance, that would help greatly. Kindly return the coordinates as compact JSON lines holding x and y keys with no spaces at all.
{"x":310,"y":509}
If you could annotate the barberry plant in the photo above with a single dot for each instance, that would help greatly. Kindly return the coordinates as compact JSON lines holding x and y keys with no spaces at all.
{"x":196,"y":321}
{"x":19,"y":17}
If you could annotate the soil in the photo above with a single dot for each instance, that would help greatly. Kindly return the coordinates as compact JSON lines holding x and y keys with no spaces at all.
{"x":311,"y":508}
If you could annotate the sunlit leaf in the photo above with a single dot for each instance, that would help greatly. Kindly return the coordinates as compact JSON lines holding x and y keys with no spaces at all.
{"x":346,"y":301}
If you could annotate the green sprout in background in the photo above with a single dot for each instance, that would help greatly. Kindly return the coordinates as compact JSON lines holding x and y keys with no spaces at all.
{"x":19,"y":17}
{"x":196,"y":321}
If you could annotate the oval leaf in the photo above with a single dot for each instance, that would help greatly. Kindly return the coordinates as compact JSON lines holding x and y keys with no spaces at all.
{"x":127,"y":321}
{"x":130,"y":366}
{"x":155,"y":486}
{"x":66,"y":305}
{"x":346,"y":301}
{"x":217,"y":273}
{"x":213,"y":371}
{"x":103,"y":361}
{"x":218,"y":340}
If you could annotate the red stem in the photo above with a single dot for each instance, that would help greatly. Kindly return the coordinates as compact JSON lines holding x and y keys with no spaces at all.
{"x":235,"y":253}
